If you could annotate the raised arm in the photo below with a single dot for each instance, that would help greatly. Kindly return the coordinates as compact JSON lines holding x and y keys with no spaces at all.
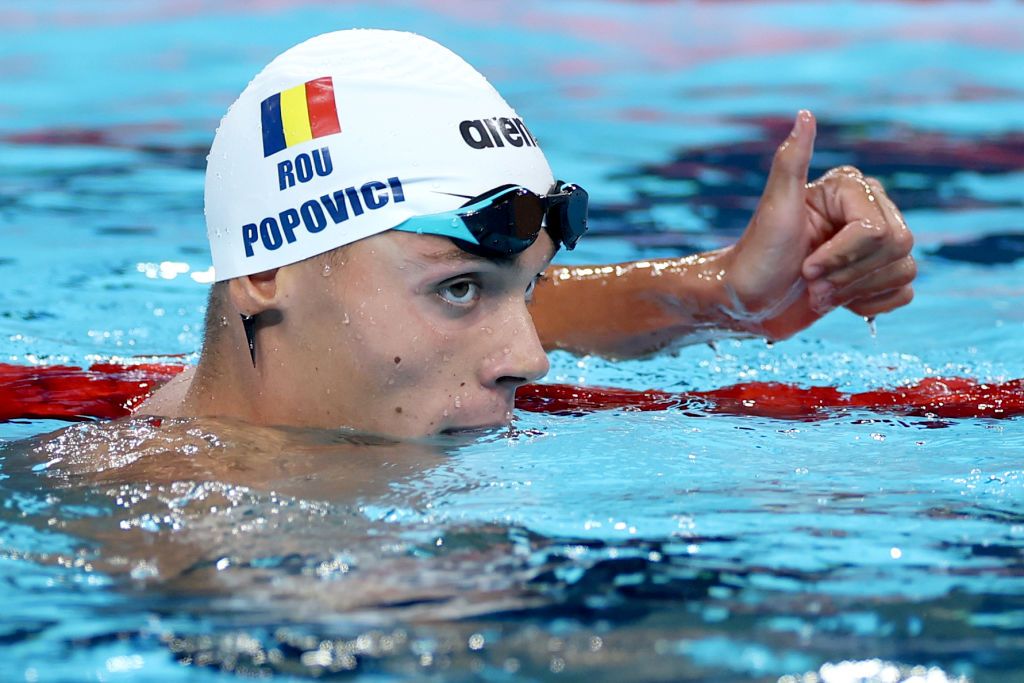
{"x":810,"y":248}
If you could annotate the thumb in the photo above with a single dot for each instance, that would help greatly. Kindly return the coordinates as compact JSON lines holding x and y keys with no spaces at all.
{"x":788,"y":176}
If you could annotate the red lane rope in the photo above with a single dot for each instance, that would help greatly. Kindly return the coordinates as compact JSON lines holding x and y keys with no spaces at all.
{"x":110,"y":390}
{"x":64,"y":392}
{"x":947,"y":397}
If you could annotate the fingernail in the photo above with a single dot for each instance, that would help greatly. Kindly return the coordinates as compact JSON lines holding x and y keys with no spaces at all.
{"x":803,"y":117}
{"x":821,"y":294}
{"x":822,"y":305}
{"x":813,"y":272}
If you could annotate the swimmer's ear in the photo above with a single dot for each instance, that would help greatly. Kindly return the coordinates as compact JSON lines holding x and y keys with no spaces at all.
{"x":253,"y":294}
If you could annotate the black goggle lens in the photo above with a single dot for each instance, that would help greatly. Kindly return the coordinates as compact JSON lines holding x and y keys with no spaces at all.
{"x":512,"y":222}
{"x":570,"y":216}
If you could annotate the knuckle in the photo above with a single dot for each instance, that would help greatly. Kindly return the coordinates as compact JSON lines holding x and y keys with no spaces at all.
{"x":836,"y":173}
{"x":905,"y":240}
{"x":848,"y":171}
{"x":909,"y":269}
{"x":877,"y":188}
{"x":850,"y":183}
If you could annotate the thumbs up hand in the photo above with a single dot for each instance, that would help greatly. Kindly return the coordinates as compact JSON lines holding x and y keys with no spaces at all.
{"x":812,"y":247}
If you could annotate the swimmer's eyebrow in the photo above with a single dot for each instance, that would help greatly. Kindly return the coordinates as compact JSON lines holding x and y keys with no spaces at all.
{"x":455,"y":255}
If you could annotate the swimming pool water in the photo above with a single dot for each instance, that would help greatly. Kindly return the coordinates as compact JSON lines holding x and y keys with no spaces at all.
{"x":610,"y":546}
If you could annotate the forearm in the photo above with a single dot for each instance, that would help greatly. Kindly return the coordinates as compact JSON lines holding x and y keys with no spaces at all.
{"x":633,"y":309}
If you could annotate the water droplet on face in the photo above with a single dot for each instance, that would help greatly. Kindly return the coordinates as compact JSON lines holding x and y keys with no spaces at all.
{"x":446,"y":358}
{"x":326,"y":272}
{"x":870,"y":320}
{"x":445,"y":413}
{"x":458,"y":402}
{"x":345,"y":320}
{"x":487,"y":330}
{"x":506,"y":350}
{"x":223,"y":321}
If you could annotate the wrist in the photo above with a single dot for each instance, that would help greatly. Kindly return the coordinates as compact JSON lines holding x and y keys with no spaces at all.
{"x":702,"y":297}
{"x":747,"y":301}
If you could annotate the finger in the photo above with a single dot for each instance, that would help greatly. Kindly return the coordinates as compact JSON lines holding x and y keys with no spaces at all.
{"x":840,"y":198}
{"x":882,"y":303}
{"x":892,"y":214}
{"x":886,"y":279}
{"x":849,"y":193}
{"x":857,"y":250}
{"x":787,"y":178}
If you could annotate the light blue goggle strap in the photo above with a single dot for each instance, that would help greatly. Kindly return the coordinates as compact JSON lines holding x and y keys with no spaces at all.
{"x":450,"y":223}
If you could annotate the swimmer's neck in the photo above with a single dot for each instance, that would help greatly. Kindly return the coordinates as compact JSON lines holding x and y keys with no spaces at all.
{"x":223,"y":384}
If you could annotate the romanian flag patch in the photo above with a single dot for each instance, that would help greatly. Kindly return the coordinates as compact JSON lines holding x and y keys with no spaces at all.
{"x":305,"y":112}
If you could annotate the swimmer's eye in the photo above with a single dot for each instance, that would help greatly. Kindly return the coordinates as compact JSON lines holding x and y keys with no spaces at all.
{"x":460,"y":292}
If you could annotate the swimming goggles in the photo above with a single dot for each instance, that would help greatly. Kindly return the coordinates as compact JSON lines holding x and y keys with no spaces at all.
{"x":506,"y":220}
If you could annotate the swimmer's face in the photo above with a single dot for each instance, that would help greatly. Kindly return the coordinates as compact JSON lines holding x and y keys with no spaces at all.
{"x":410,"y":336}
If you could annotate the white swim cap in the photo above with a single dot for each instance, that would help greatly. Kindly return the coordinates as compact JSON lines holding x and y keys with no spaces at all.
{"x":349,"y":134}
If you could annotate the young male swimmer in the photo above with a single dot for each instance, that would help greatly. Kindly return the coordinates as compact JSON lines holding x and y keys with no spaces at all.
{"x":382,"y":224}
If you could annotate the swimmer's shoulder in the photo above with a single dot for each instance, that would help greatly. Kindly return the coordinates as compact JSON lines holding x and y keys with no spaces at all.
{"x":169,"y":400}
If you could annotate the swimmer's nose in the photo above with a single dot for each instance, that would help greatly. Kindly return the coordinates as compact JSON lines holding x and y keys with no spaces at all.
{"x":519,"y":357}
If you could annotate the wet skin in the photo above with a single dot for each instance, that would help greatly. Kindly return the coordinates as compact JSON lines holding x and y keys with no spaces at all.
{"x":397,"y":334}
{"x":408,"y":336}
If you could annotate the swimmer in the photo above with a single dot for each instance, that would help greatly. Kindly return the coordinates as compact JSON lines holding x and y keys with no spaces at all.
{"x":382,"y":225}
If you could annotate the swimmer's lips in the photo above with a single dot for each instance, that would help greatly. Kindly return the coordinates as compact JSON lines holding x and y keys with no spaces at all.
{"x":489,"y":420}
{"x":501,"y":423}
